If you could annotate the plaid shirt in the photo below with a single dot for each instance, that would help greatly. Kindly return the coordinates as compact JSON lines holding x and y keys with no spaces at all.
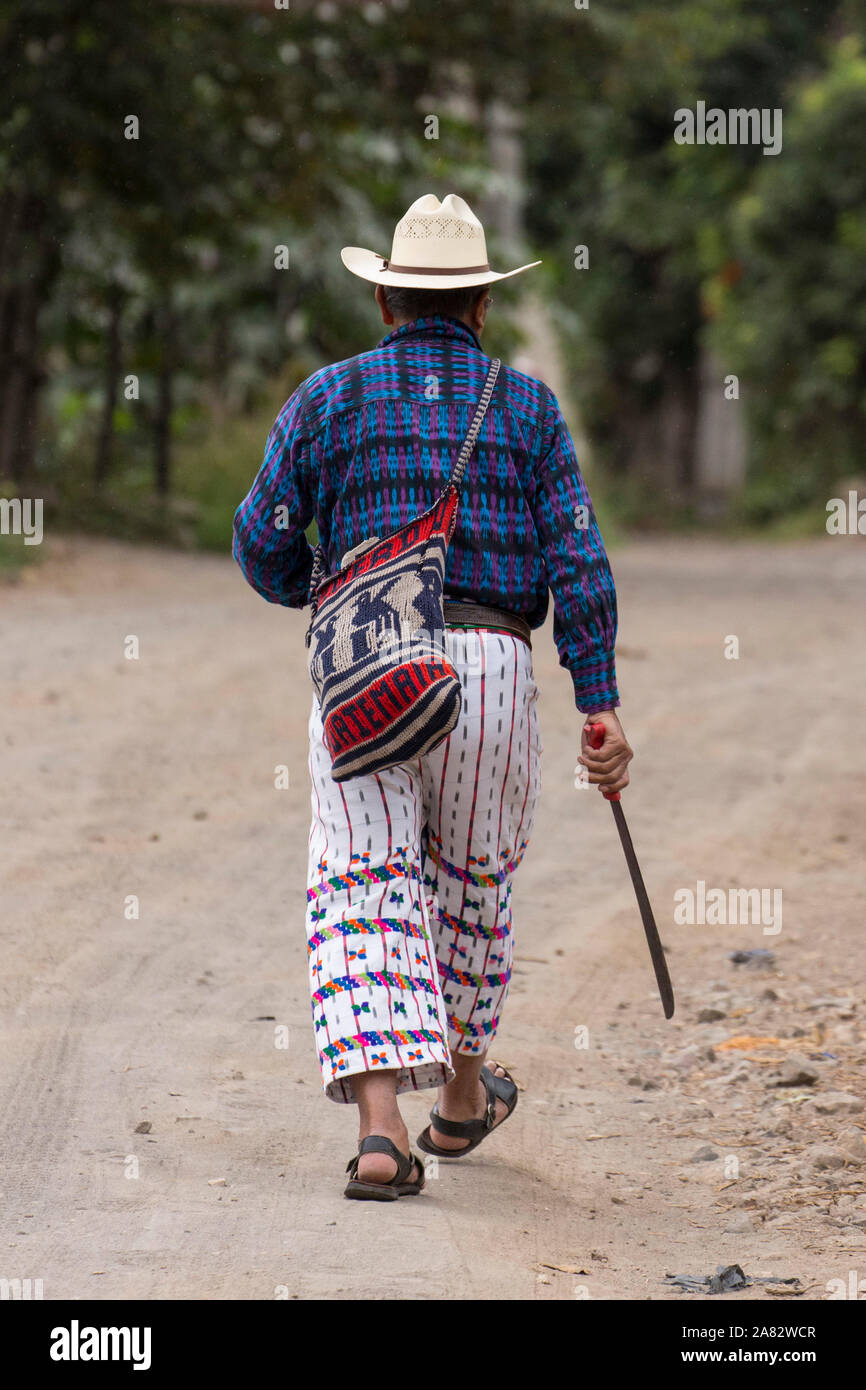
{"x":367,"y":444}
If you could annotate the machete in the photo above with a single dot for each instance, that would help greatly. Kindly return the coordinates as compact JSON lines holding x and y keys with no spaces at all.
{"x":595,"y":738}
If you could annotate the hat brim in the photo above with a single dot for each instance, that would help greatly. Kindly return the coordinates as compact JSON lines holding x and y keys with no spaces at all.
{"x":368,"y":266}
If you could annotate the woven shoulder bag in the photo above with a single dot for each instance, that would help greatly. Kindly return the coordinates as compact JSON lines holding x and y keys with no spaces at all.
{"x":377,"y":657}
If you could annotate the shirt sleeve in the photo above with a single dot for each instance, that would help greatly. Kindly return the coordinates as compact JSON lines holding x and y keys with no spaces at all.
{"x":269,"y":525}
{"x":578,"y":572}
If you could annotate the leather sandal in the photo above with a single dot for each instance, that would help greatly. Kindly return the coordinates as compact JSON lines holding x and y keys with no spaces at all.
{"x":502,"y":1088}
{"x":399,"y":1186}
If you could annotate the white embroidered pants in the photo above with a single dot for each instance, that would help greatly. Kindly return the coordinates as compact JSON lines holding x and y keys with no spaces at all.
{"x":409,"y":887}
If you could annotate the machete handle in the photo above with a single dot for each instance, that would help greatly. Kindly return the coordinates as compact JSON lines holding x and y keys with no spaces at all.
{"x":595,"y":738}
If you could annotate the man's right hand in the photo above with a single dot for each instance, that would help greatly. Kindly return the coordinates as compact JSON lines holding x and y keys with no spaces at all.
{"x":607,"y":766}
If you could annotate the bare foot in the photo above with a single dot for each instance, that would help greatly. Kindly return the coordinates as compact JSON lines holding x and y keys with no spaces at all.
{"x":457,"y":1107}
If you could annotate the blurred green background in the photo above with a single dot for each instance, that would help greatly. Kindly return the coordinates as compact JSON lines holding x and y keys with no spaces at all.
{"x":149,"y":332}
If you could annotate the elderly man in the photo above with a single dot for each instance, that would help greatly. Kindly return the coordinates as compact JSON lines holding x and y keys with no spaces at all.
{"x":410,"y":869}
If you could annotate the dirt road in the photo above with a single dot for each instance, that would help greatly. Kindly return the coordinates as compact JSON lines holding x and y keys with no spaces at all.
{"x":157,"y":1144}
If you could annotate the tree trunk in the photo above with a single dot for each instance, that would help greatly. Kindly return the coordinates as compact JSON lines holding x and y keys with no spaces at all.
{"x":165,"y":399}
{"x":105,"y":439}
{"x":29,"y":264}
{"x":720,"y":448}
{"x":656,"y":445}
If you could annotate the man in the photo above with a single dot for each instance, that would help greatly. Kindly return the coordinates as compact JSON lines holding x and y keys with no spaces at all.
{"x":409,"y":887}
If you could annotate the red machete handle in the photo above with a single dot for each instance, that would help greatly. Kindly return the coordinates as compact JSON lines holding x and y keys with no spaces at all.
{"x":595,"y":738}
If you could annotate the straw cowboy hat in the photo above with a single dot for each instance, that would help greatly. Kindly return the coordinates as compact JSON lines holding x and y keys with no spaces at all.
{"x":436,"y":246}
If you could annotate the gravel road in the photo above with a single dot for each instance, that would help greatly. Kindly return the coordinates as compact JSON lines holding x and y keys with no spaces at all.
{"x":157,"y":1144}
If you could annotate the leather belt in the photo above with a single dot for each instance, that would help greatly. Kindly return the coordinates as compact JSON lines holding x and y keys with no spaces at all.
{"x":460,"y":614}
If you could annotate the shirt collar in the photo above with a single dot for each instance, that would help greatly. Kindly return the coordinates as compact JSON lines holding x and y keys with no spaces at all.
{"x":433,"y":326}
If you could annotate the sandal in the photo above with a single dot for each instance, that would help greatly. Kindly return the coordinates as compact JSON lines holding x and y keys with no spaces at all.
{"x":399,"y":1186}
{"x":502,"y":1088}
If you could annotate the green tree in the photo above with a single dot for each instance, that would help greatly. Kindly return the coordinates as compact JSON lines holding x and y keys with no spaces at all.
{"x":794,"y":323}
{"x":655,"y":216}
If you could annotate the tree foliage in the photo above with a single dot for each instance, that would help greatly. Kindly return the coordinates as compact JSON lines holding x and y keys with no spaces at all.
{"x":154,"y":259}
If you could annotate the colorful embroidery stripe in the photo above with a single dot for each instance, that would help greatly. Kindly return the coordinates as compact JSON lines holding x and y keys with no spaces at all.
{"x":464,"y":977}
{"x":365,"y":926}
{"x":359,"y":877}
{"x":396,"y":1039}
{"x":472,"y":1030}
{"x":476,"y":929}
{"x":478,"y":880}
{"x":373,"y":977}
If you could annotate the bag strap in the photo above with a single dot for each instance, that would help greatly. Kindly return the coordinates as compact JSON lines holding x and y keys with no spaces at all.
{"x":456,"y":475}
{"x":478,"y":420}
